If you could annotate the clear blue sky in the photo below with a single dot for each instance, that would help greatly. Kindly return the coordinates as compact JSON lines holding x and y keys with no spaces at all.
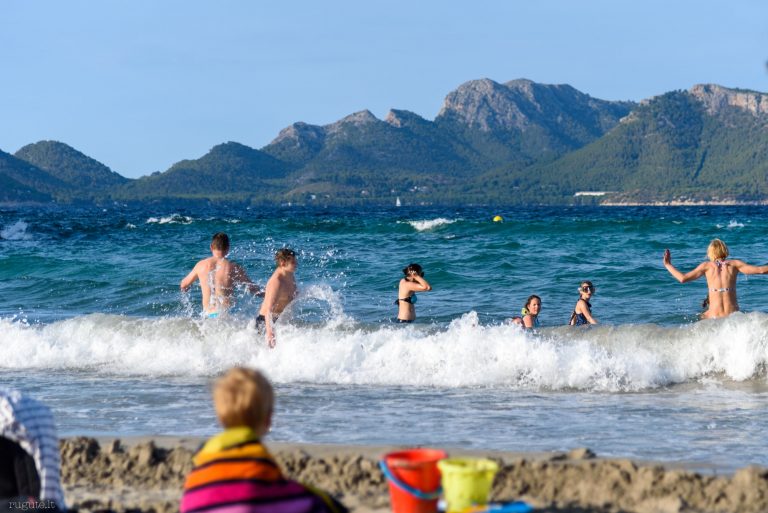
{"x":141,"y":84}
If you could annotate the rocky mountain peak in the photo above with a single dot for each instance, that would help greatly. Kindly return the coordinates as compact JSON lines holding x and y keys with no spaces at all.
{"x":358,"y":119}
{"x":485,"y":105}
{"x":403,"y":118}
{"x":715,"y":98}
{"x":524,"y":86}
{"x":299,"y":134}
{"x":521,"y":105}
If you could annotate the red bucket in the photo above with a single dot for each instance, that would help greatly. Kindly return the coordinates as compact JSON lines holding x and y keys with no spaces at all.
{"x":414,"y":479}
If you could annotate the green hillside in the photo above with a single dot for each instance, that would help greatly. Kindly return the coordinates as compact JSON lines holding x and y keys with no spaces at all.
{"x":70,"y":166}
{"x":668,"y":149}
{"x":228,"y":171}
{"x":24,"y":182}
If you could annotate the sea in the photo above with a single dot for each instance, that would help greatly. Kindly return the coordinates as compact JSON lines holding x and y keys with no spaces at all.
{"x":92,"y":322}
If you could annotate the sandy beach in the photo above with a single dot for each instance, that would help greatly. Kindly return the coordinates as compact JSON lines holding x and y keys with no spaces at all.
{"x":146,"y":475}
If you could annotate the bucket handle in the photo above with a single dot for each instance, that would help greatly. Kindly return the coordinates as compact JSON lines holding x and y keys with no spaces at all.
{"x":426,"y":496}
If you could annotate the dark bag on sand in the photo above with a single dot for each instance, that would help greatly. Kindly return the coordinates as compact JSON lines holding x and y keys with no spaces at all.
{"x":18,"y":475}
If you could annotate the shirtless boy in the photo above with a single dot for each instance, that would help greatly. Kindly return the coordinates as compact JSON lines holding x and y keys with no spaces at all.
{"x":218,"y":277}
{"x":279,"y":292}
{"x":721,"y":278}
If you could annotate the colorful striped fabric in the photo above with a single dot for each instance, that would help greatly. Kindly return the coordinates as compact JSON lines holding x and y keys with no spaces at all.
{"x":234,"y":473}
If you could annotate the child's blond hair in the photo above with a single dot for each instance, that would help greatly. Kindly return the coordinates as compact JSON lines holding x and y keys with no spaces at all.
{"x":717,"y":250}
{"x":244,"y":397}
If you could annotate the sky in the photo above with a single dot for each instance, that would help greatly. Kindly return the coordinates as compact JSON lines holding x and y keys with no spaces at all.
{"x":141,"y":84}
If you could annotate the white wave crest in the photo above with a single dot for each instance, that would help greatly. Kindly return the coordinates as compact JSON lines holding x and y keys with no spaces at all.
{"x":171,"y":219}
{"x":624,"y":358}
{"x":731,"y":225}
{"x":429,"y":224}
{"x":16,"y":231}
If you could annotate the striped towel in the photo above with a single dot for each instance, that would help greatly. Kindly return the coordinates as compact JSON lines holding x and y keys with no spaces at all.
{"x":234,"y":473}
{"x":29,"y":424}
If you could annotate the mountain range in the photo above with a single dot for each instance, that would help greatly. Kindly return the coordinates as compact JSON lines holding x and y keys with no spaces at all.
{"x":519,"y":142}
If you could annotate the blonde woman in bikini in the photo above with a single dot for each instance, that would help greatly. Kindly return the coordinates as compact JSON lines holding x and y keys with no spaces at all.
{"x":721,"y":278}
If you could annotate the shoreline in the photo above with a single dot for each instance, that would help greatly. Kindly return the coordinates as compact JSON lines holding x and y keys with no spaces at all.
{"x":686,"y":203}
{"x":145,"y":474}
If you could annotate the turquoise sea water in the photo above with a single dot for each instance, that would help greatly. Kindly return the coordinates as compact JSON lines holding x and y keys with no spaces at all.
{"x":93,"y":323}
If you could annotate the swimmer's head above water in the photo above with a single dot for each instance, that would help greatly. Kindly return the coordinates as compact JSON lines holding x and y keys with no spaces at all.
{"x":532,"y":305}
{"x":413,"y":269}
{"x":285,"y":257}
{"x":220,"y":243}
{"x":586,"y":288}
{"x":717,"y":250}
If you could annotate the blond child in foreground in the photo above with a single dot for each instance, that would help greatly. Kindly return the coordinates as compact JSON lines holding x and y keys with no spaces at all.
{"x":233,"y":471}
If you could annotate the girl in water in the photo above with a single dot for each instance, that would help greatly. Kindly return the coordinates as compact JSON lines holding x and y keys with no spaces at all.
{"x":582,"y":312}
{"x":412,"y":283}
{"x":531,"y":311}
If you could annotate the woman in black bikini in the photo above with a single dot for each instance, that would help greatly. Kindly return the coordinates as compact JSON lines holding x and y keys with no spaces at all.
{"x":406,"y":297}
{"x":582,"y":312}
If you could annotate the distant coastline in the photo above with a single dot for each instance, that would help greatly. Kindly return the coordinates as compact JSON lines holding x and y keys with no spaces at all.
{"x":685,"y":203}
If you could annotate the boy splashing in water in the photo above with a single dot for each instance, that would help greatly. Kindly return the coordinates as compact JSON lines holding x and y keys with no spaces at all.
{"x":218,"y":277}
{"x":279,"y":292}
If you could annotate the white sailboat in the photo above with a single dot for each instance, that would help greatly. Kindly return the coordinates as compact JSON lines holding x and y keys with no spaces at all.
{"x":397,"y":202}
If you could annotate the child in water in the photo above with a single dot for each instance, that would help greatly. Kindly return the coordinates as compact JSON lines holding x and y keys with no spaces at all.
{"x":412,"y":283}
{"x":531,"y":311}
{"x":280,"y":291}
{"x":582,"y":312}
{"x":529,"y":315}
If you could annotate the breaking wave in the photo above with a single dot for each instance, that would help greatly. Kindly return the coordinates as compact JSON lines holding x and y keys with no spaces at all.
{"x":339,"y":351}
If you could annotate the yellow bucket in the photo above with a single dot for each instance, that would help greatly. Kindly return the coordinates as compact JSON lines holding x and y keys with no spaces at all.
{"x":466,"y":481}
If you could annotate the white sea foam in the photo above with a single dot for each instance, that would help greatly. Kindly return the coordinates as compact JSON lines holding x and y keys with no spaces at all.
{"x":430,"y":224}
{"x":623,"y":358}
{"x":731,"y":225}
{"x":171,"y":219}
{"x":16,"y":231}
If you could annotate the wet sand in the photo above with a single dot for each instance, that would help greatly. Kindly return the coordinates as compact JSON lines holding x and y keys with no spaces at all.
{"x":146,"y":475}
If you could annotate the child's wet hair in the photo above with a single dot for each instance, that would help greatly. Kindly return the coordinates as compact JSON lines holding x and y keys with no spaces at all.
{"x":220,"y":241}
{"x":284,"y":255}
